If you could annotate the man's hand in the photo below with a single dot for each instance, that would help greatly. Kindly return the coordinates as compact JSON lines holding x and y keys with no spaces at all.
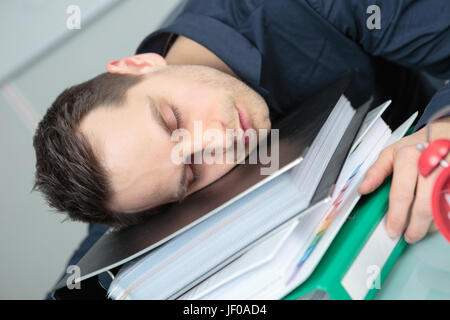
{"x":408,"y":187}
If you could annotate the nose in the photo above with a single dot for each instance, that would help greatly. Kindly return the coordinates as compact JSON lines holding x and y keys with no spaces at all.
{"x":210,"y":137}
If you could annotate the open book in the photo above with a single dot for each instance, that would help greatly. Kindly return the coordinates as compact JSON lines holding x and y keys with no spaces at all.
{"x":171,"y":269}
{"x":282,"y":262}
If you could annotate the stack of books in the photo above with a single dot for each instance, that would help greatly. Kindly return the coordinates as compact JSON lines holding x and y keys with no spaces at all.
{"x":263,"y":237}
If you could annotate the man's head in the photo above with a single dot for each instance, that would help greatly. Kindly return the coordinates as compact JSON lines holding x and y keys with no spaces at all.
{"x":104,"y":147}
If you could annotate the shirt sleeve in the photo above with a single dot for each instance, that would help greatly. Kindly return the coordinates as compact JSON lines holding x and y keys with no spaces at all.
{"x":411,"y":33}
{"x":217,"y":25}
{"x":95,"y":232}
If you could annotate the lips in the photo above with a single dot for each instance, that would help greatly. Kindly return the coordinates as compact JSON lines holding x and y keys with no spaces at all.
{"x":245,"y":124}
{"x":189,"y":173}
{"x":243,"y":119}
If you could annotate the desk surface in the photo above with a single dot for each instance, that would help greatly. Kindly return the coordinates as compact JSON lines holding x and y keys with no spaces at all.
{"x":422,"y":272}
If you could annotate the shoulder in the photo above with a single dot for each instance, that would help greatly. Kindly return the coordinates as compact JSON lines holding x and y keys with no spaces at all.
{"x":409,"y":18}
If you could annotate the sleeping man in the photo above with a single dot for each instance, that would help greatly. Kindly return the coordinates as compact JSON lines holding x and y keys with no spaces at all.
{"x":104,"y":146}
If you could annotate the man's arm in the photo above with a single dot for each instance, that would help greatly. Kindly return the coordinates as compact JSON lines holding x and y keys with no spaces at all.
{"x":414,"y":34}
{"x":439,"y":100}
{"x":411,"y":33}
{"x":95,"y":232}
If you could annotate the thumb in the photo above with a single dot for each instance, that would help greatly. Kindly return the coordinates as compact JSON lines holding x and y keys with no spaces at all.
{"x":378,"y":171}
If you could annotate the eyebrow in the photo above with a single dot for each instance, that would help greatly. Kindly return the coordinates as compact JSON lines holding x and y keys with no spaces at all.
{"x":182,"y":182}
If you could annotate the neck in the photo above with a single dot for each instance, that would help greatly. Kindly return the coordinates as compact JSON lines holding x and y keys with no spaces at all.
{"x":187,"y":51}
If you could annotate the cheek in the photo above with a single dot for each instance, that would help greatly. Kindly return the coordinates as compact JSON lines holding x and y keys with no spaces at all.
{"x":203,"y":101}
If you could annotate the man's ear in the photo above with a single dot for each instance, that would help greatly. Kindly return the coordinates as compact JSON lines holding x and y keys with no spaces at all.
{"x":139,"y":64}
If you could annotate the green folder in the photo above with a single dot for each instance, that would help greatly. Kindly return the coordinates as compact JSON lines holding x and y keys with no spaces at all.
{"x":352,"y":237}
{"x":325,"y":281}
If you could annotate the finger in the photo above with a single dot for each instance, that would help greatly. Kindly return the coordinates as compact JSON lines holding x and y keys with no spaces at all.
{"x":403,"y":185}
{"x":378,"y":171}
{"x":421,"y":216}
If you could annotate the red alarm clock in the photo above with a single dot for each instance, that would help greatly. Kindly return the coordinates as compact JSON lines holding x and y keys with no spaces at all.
{"x":433,"y":155}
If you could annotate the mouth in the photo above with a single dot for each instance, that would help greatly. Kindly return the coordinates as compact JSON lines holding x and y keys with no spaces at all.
{"x":189,"y":173}
{"x":243,"y":119}
{"x":192,"y":170}
{"x":244,"y":122}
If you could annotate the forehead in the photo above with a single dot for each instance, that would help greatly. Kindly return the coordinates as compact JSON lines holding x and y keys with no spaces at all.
{"x":135,"y":151}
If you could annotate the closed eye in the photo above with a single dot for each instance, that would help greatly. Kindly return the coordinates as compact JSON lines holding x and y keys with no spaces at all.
{"x":177,"y":115}
{"x":165,"y":125}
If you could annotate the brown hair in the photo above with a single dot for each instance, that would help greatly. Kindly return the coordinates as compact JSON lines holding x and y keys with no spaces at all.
{"x":67,"y":171}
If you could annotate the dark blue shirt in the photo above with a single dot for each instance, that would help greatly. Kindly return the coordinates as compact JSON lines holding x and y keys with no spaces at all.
{"x":289,"y":49}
